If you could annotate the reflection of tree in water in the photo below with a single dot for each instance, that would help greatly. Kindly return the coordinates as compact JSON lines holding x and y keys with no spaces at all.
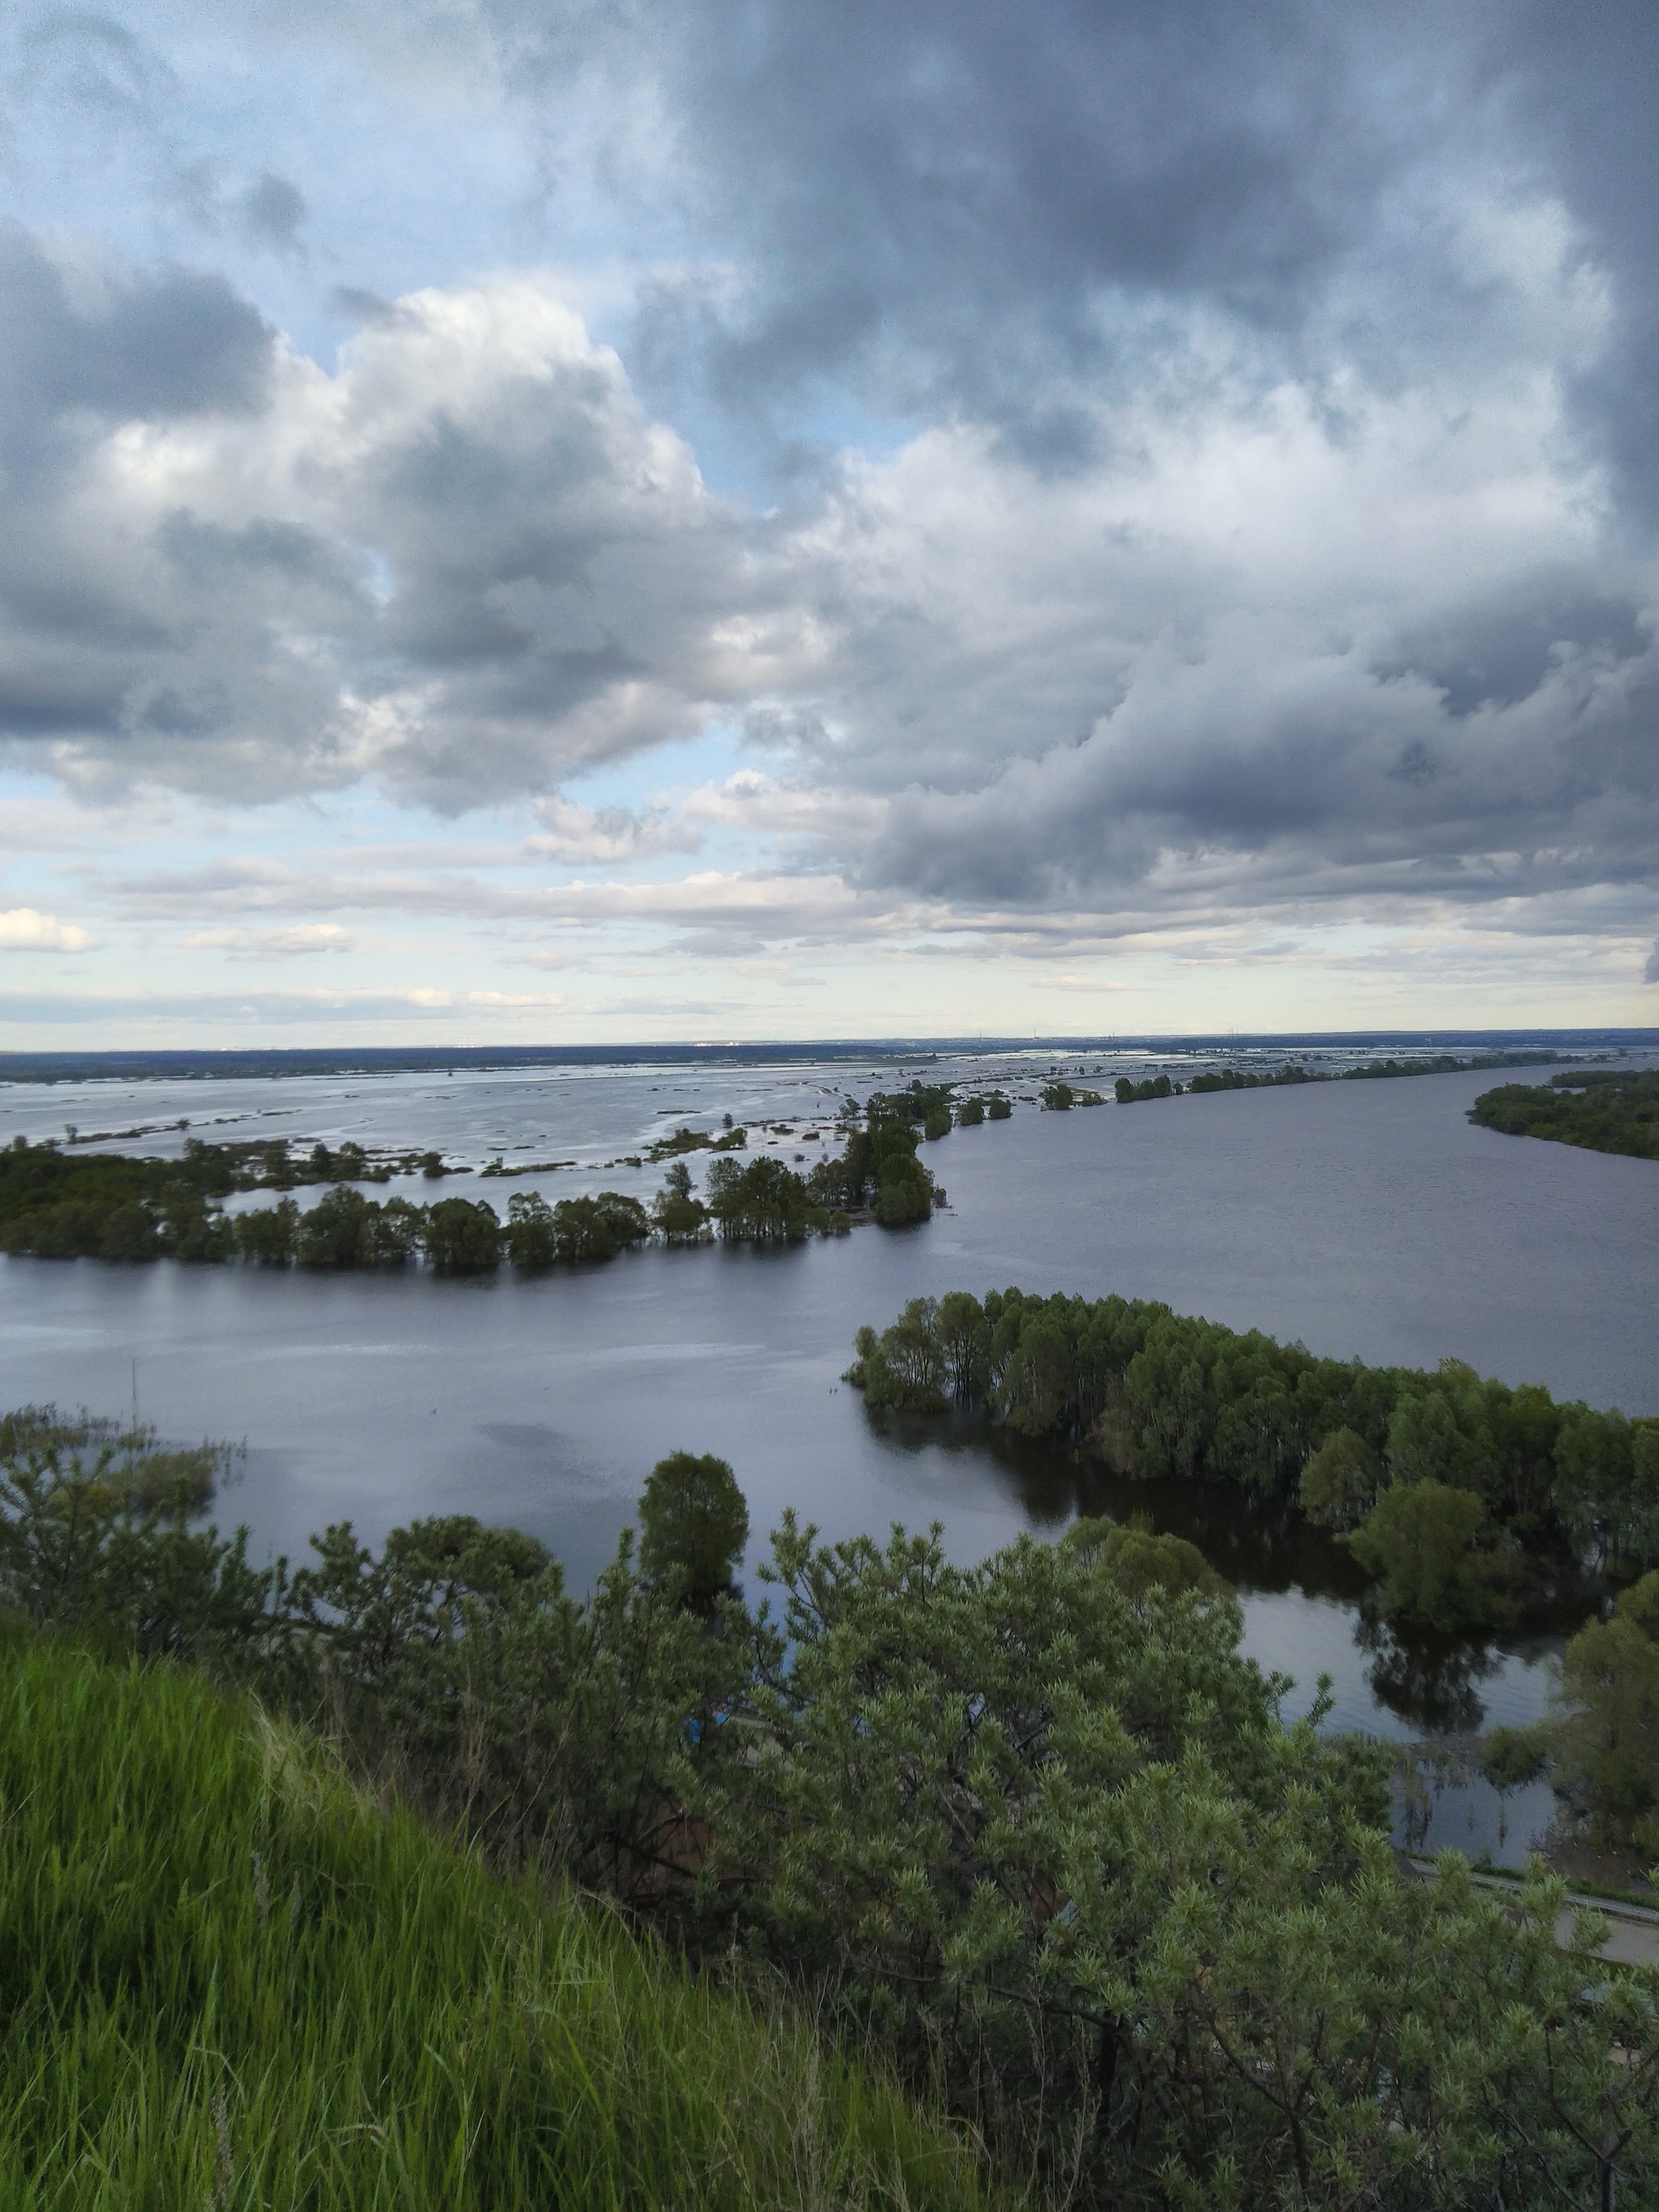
{"x":1257,"y":1543}
{"x":1427,"y":1678}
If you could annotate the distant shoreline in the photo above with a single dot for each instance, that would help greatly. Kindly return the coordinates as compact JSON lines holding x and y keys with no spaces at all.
{"x":233,"y":1062}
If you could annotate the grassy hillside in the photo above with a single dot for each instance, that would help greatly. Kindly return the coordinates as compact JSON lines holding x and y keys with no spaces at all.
{"x":228,"y":1980}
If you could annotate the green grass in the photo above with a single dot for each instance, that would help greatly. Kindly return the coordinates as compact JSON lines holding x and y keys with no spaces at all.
{"x":230,"y":1981}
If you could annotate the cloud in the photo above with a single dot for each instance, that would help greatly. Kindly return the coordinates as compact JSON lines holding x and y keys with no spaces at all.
{"x":22,"y":929}
{"x":578,"y":835}
{"x":304,"y":937}
{"x":464,"y":564}
{"x":271,"y":211}
{"x":1195,"y":461}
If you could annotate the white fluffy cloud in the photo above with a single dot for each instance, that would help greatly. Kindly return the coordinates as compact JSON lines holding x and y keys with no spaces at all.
{"x":23,"y":929}
{"x":463,"y":564}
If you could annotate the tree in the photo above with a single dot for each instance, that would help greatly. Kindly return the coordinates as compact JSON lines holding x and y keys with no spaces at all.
{"x":1340,"y":1483}
{"x":1437,"y":1552}
{"x":463,"y":1236}
{"x":761,"y":1203}
{"x":1606,"y":1736}
{"x":680,"y":1217}
{"x":529,"y":1234}
{"x":905,"y":1366}
{"x":265,"y":1234}
{"x":964,"y":1339}
{"x":694,"y":1524}
{"x":598,"y":1228}
{"x":1137,"y":1559}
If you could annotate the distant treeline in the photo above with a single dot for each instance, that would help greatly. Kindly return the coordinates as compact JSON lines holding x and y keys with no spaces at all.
{"x":112,"y":1206}
{"x":1460,"y":1492}
{"x":1610,"y":1110}
{"x":1247,"y":1078}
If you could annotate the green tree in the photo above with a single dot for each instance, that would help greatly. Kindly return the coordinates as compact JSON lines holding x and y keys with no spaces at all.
{"x":599,"y":1228}
{"x":1340,"y":1483}
{"x":964,"y":1341}
{"x":1606,"y":1732}
{"x":1437,"y":1554}
{"x":463,"y":1236}
{"x":1137,"y":1560}
{"x":266,"y":1234}
{"x":906,"y":1366}
{"x":765,"y":1202}
{"x":681,"y":1216}
{"x":694,"y":1524}
{"x":529,"y":1236}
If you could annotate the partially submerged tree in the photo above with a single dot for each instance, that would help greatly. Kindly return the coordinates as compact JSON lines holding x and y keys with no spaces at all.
{"x":694,"y":1524}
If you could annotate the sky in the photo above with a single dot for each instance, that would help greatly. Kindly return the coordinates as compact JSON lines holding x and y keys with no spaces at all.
{"x":568,"y":520}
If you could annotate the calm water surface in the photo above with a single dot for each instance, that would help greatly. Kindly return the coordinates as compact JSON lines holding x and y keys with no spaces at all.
{"x":1364,"y":1217}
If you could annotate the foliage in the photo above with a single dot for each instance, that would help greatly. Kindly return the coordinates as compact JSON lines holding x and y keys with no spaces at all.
{"x":346,"y":1229}
{"x":1340,"y":1483}
{"x":1138,"y":1560}
{"x":114,"y":1205}
{"x":1156,"y":1086}
{"x":1154,"y":1394}
{"x":1060,"y":1097}
{"x":998,"y":1108}
{"x":679,"y":1142}
{"x":1612,"y":1111}
{"x":763,"y":1203}
{"x":1236,"y":1078}
{"x":232,"y":1981}
{"x":680,"y":1218}
{"x":694,"y":1524}
{"x":1033,"y":1829}
{"x":1437,"y":1554}
{"x":1606,"y":1734}
{"x":95,"y":1537}
{"x":970,"y":1113}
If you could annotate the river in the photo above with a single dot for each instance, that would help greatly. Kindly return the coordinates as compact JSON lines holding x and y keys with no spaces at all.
{"x":1365,"y":1217}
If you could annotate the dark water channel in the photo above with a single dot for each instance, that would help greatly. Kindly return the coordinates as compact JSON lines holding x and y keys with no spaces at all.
{"x":1363,"y":1217}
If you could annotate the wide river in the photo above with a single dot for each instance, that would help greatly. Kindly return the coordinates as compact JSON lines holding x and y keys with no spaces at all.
{"x":1364,"y":1217}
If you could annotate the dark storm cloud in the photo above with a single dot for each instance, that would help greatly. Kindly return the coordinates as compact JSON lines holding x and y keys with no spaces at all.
{"x":957,"y":203}
{"x":1581,"y":83}
{"x":89,"y":335}
{"x":1261,"y":426}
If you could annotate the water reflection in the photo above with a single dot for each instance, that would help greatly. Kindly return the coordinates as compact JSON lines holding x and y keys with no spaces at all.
{"x":1430,"y":1684}
{"x":1427,"y":1678}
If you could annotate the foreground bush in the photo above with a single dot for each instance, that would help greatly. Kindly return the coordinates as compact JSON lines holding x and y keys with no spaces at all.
{"x":1032,"y":1830}
{"x":229,"y":1981}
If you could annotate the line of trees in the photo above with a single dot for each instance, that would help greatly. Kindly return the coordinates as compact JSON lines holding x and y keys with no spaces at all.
{"x":112,"y":1207}
{"x":1459,"y":1494}
{"x":1130,"y":1093}
{"x":1032,"y":1830}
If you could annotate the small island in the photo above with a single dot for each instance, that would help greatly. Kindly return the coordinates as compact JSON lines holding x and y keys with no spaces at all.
{"x":1601,"y":1110}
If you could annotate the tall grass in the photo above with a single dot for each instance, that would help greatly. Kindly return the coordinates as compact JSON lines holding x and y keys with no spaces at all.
{"x":229,"y":1981}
